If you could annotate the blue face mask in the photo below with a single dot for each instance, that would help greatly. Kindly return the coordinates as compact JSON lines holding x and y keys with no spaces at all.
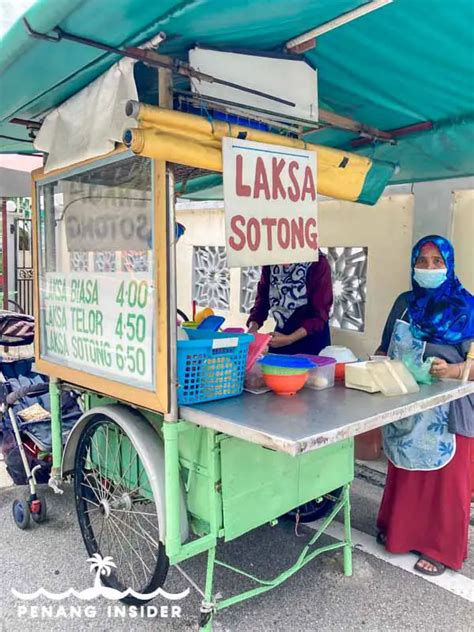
{"x":430,"y":279}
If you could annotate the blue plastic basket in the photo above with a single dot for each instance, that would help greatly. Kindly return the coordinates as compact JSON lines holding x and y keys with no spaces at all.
{"x":211,"y":365}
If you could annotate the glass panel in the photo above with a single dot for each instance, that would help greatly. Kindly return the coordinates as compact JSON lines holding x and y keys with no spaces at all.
{"x":96,"y":310}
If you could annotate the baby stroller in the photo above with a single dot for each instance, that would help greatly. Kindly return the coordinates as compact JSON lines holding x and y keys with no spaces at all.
{"x":25,"y":410}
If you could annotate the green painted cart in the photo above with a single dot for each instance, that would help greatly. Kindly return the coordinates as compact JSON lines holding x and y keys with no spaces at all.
{"x":153,"y":489}
{"x":151,"y":493}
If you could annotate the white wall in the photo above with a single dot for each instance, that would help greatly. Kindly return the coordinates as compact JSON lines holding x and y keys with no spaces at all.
{"x":403,"y":215}
{"x":433,"y":204}
{"x":385,"y":229}
{"x":462,"y":236}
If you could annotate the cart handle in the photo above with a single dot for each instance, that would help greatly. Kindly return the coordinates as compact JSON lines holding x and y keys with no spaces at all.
{"x":24,"y":391}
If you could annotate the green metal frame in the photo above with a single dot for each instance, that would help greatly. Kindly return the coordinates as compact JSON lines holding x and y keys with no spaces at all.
{"x":56,"y":426}
{"x":178,"y":552}
{"x":207,"y":460}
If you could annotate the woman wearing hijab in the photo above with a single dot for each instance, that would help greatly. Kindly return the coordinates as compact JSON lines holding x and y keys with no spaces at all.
{"x":426,"y":502}
{"x":298,"y":297}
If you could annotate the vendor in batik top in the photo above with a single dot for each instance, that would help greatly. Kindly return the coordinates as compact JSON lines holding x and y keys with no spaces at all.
{"x":298,"y":297}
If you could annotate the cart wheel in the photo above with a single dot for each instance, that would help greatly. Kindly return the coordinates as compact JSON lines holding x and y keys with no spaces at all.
{"x":21,"y":513}
{"x":39,"y":516}
{"x":116,"y":509}
{"x":315,"y":509}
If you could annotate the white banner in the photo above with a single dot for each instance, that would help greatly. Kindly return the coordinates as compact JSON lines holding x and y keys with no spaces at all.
{"x":270,"y":202}
{"x":101,"y":325}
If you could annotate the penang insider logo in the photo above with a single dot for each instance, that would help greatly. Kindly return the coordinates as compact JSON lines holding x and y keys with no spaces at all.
{"x":102,"y":567}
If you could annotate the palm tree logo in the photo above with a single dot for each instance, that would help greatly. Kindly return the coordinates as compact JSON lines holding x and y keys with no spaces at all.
{"x":102,"y":566}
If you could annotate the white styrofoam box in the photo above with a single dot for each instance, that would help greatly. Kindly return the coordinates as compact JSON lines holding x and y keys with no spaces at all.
{"x":289,"y":79}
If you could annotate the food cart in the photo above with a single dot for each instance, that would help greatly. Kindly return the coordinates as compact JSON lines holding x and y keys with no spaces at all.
{"x":159,"y":479}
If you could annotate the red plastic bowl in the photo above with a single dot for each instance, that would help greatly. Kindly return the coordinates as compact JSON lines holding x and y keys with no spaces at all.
{"x":286,"y":385}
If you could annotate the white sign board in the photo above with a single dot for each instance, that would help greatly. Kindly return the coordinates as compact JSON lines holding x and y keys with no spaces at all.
{"x":102,"y":325}
{"x":270,"y":204}
{"x":292,"y":82}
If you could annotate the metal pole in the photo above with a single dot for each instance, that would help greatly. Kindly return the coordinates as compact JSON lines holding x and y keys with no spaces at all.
{"x":172,"y":415}
{"x":165,"y":100}
{"x":50,"y":228}
{"x":172,"y":490}
{"x":165,"y":85}
{"x":347,"y":555}
{"x":56,"y":425}
{"x":5,"y":252}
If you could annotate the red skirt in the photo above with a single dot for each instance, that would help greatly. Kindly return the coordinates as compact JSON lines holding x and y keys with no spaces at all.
{"x":428,"y":512}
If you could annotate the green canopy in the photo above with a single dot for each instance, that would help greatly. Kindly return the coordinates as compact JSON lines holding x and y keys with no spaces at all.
{"x":409,"y":62}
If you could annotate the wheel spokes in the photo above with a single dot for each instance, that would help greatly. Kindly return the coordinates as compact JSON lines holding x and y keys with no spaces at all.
{"x":118,"y":506}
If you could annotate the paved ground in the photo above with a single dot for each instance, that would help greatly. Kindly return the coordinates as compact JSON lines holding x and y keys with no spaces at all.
{"x":380,"y":596}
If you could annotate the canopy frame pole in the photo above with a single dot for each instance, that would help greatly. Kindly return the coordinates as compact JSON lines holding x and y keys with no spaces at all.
{"x":151,"y":58}
{"x":156,"y":60}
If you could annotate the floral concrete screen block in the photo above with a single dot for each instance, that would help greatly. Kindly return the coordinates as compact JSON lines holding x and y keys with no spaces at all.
{"x":349,"y":282}
{"x":211,"y":277}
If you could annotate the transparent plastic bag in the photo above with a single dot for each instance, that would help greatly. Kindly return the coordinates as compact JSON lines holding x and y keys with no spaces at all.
{"x":254,"y":382}
{"x":421,"y":372}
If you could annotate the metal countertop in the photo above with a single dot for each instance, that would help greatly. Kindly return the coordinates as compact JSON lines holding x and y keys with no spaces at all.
{"x":313,"y":419}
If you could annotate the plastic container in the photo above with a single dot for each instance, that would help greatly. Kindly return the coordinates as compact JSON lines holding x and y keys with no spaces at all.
{"x":340,"y":354}
{"x":181,"y":334}
{"x":286,"y":385}
{"x":211,"y":323}
{"x":254,"y":382}
{"x":211,"y":365}
{"x":322,"y":376}
{"x":358,"y":376}
{"x":392,"y":377}
{"x":204,"y":313}
{"x":340,"y":373}
{"x":257,"y":346}
{"x":368,"y":445}
{"x":279,"y":370}
{"x":343,"y":356}
{"x":189,"y":324}
{"x":287,"y":361}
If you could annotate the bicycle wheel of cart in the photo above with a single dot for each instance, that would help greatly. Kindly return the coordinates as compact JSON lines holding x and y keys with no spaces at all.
{"x":117,"y":511}
{"x":317,"y":508}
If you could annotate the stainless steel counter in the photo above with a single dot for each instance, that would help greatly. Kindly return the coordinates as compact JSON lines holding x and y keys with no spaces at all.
{"x":313,"y":419}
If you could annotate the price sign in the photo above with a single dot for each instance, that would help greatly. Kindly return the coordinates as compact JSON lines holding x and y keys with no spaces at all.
{"x":101,"y":325}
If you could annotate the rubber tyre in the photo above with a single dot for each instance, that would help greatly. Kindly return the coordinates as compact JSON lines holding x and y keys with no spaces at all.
{"x":314,"y":510}
{"x":160,"y":571}
{"x":41,"y":516}
{"x":21,"y":513}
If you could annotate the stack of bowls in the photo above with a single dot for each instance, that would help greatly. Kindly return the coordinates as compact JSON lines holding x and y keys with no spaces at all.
{"x":343,"y":356}
{"x":285,"y":374}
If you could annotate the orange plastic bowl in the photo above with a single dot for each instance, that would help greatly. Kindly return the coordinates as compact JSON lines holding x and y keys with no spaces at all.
{"x":286,"y":385}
